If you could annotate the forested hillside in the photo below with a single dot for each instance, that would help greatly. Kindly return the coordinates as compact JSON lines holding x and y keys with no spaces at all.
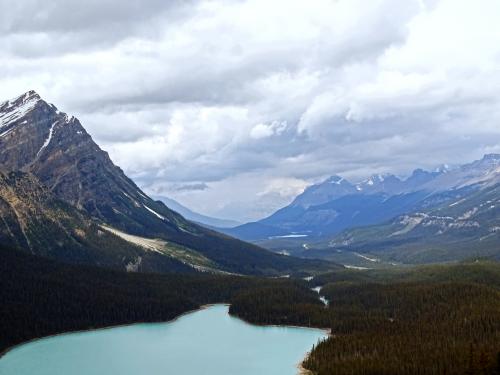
{"x":434,"y":320}
{"x":41,"y":297}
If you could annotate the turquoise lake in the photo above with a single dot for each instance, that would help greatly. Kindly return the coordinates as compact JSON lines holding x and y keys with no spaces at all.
{"x":205,"y":342}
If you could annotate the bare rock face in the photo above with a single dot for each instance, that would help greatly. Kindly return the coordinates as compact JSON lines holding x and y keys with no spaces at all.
{"x":37,"y":138}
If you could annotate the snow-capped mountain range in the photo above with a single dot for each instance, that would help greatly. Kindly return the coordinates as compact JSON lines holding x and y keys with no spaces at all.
{"x":336,"y":204}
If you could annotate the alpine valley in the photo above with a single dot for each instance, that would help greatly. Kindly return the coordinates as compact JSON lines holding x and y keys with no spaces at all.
{"x":444,"y":215}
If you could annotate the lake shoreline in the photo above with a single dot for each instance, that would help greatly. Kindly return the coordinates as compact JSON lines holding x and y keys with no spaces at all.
{"x":202,"y":307}
{"x":300,"y":368}
{"x":325,"y":330}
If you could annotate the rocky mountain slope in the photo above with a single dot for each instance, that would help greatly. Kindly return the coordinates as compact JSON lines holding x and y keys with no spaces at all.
{"x":33,"y":218}
{"x":55,"y":152}
{"x":335,"y":205}
{"x":467,"y":226}
{"x":443,"y":215}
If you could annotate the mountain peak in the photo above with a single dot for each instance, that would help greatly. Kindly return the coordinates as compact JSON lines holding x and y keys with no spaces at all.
{"x":331,"y":188}
{"x":487,"y":162}
{"x":421,"y":174}
{"x":14,"y":109}
{"x":492,"y":157}
{"x":31,"y":94}
{"x":28,"y":96}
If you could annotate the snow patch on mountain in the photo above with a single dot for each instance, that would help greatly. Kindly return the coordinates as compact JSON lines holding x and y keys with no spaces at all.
{"x":367,"y":258}
{"x":155,"y":213}
{"x":457,"y":202}
{"x":15,"y":109}
{"x":47,"y":141}
{"x":136,"y":204}
{"x":336,"y":180}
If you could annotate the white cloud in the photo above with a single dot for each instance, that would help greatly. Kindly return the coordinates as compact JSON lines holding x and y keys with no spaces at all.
{"x":260,"y":131}
{"x":252,"y":96}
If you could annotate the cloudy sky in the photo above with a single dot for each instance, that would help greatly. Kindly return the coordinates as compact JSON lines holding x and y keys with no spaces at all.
{"x":233,"y":107}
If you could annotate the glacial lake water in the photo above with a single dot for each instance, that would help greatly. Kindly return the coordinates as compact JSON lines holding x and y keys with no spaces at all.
{"x":205,"y":342}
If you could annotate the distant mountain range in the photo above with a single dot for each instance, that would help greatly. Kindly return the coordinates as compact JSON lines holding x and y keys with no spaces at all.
{"x":61,"y":196}
{"x":336,"y":204}
{"x":430,"y":211}
{"x":465,"y":225}
{"x":208,"y":221}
